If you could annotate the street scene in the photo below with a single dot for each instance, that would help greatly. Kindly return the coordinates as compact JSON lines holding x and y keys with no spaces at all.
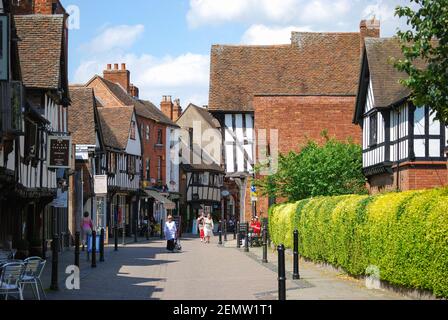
{"x":252,"y":150}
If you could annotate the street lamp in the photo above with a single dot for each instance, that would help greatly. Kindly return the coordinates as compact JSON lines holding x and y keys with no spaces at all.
{"x":224,"y":193}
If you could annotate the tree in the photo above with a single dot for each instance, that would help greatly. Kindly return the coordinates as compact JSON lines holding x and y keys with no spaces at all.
{"x":427,"y":42}
{"x":332,"y":169}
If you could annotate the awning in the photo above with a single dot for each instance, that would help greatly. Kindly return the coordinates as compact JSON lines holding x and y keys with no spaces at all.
{"x":168,"y":204}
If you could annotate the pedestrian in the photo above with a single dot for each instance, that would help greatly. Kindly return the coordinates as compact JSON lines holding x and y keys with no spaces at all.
{"x":86,"y":228}
{"x":208,"y":228}
{"x":200,"y":223}
{"x":170,"y":233}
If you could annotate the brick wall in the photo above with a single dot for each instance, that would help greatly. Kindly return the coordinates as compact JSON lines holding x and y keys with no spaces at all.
{"x":301,"y":118}
{"x":413,"y":176}
{"x":150,"y":151}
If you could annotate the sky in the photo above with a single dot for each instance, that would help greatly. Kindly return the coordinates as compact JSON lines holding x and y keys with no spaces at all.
{"x":166,"y":43}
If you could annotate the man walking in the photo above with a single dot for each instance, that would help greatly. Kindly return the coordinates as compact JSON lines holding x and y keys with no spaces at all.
{"x":170,"y":234}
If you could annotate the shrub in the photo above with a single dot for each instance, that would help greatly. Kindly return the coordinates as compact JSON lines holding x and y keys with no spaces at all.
{"x":404,"y":234}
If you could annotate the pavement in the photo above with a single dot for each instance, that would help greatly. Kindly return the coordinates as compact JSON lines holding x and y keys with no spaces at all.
{"x":146,"y":271}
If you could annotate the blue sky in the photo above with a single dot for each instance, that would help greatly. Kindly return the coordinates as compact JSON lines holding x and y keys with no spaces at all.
{"x":166,"y":43}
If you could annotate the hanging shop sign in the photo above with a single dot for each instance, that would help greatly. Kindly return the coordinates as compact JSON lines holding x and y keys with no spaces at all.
{"x":100,"y":184}
{"x":61,"y":200}
{"x":59,"y":152}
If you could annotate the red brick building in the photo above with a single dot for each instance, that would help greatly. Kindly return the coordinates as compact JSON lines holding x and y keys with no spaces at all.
{"x":299,"y":89}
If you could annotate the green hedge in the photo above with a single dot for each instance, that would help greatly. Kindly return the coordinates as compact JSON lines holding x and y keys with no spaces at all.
{"x":404,"y":234}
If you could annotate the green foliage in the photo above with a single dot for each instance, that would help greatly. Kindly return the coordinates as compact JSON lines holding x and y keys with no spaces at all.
{"x":329,"y":170}
{"x":404,"y":234}
{"x":428,"y":23}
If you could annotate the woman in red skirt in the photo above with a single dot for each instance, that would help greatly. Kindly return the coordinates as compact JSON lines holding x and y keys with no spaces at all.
{"x":201,"y":226}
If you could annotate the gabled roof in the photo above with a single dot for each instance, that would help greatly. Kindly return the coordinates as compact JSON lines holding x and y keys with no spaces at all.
{"x":81,"y":116}
{"x":207,"y":116}
{"x":378,"y":67}
{"x":41,"y":42}
{"x":143,"y":108}
{"x":116,"y":124}
{"x":314,"y":64}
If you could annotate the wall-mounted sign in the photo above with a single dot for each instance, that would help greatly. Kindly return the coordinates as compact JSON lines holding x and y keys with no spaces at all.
{"x":4,"y":47}
{"x":59,"y":152}
{"x":100,"y":184}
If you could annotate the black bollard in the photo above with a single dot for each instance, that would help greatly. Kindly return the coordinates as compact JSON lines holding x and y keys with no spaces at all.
{"x":147,"y":230}
{"x":238,"y":240}
{"x":55,"y":262}
{"x":265,"y":244}
{"x":225,"y":230}
{"x":161,"y":229}
{"x":94,"y":249}
{"x":102,"y":245}
{"x":296,"y":275}
{"x":234,"y":231}
{"x":77,"y":239}
{"x":220,"y":233}
{"x":246,"y":242}
{"x":116,"y":237}
{"x":281,"y":273}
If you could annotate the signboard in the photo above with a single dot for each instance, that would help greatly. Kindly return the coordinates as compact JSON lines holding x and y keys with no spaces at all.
{"x":59,"y":152}
{"x":61,"y":200}
{"x":4,"y":47}
{"x":100,"y":184}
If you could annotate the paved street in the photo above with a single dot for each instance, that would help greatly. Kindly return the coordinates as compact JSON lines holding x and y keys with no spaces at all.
{"x":145,"y":271}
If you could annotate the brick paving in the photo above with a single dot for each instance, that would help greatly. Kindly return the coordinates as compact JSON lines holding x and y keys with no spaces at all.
{"x":145,"y":271}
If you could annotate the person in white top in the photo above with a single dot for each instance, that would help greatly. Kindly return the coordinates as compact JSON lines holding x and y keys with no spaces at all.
{"x":208,"y":228}
{"x":170,"y":233}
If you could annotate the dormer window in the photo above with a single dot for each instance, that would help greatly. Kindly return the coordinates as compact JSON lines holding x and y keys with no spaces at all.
{"x":373,"y":139}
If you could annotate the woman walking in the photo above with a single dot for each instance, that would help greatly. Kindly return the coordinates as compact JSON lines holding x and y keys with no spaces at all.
{"x":87,"y":228}
{"x":208,"y":228}
{"x":200,"y":223}
{"x":170,"y":233}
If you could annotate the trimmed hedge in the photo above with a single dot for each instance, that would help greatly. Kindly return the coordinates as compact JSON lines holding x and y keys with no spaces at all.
{"x":404,"y":234}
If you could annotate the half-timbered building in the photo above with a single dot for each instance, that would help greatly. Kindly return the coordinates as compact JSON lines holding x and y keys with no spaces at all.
{"x":43,"y":98}
{"x":202,"y":177}
{"x":122,"y":161}
{"x":403,"y":144}
{"x":282,"y":96}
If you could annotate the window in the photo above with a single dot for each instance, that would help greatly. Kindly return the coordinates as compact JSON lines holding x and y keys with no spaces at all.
{"x":4,"y":54}
{"x":113,"y":163}
{"x":373,"y":130}
{"x":16,"y":105}
{"x":142,"y":130}
{"x":132,"y":130}
{"x":160,"y":137}
{"x":131,"y":165}
{"x":147,"y":133}
{"x":148,"y":169}
{"x":159,"y":168}
{"x":31,"y":139}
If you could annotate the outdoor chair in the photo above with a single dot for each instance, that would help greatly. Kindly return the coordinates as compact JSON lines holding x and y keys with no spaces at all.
{"x":10,"y":278}
{"x":34,"y":268}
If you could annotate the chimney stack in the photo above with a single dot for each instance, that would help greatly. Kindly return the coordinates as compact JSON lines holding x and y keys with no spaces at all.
{"x":167,"y":106}
{"x":121,"y":77}
{"x":134,"y":91}
{"x":177,"y":110}
{"x":369,"y":29}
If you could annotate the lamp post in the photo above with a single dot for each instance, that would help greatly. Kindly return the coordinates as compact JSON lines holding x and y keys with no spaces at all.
{"x":224,"y":193}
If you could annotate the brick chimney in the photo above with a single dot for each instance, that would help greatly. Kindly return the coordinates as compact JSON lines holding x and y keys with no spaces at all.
{"x":43,"y":6}
{"x":167,"y":106}
{"x":120,"y":76}
{"x":177,"y":110}
{"x":369,"y":29}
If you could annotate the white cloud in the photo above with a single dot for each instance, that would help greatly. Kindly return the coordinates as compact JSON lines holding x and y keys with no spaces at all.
{"x":185,"y":76}
{"x":112,"y":38}
{"x":379,"y":10}
{"x":265,"y":35}
{"x":324,"y":11}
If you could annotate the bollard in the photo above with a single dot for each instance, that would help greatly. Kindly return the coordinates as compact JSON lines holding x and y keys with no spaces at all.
{"x":94,"y":249}
{"x":55,"y":261}
{"x":225,"y":230}
{"x":147,"y":230}
{"x":265,"y":244}
{"x":281,"y":273}
{"x":102,"y":245}
{"x":220,"y":233}
{"x":296,"y":275}
{"x":77,"y":239}
{"x":234,"y":231}
{"x":238,"y":240}
{"x":116,"y":237}
{"x":161,"y":229}
{"x":246,"y":238}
